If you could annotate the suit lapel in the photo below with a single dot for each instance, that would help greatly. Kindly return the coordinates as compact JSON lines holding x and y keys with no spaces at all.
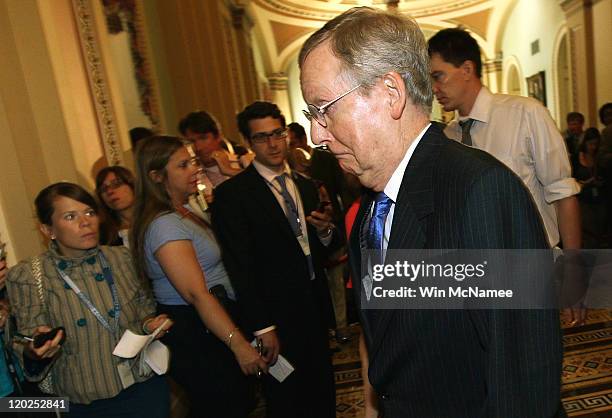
{"x":309,"y":202}
{"x":267,"y":203}
{"x":414,"y":204}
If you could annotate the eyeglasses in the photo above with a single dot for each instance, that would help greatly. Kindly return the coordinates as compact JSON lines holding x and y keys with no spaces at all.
{"x":262,"y":137}
{"x":318,"y":113}
{"x":114,"y":184}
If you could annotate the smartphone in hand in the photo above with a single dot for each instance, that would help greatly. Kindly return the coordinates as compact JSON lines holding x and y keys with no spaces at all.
{"x":41,"y":339}
{"x":322,"y":205}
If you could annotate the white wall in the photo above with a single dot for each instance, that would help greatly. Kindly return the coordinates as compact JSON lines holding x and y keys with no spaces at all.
{"x":602,"y":21}
{"x":531,"y":20}
{"x":119,"y":45}
{"x":295,"y":97}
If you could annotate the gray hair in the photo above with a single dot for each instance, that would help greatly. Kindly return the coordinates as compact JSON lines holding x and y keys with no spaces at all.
{"x":371,"y":42}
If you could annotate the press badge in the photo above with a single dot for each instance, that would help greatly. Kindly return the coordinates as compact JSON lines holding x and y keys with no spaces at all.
{"x":304,"y":245}
{"x":125,"y":374}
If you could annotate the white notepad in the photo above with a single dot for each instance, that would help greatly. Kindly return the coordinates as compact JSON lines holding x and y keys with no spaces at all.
{"x":281,"y":369}
{"x":156,"y":354}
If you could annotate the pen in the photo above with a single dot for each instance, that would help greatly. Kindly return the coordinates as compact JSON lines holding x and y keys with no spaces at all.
{"x":260,"y":351}
{"x":23,"y":337}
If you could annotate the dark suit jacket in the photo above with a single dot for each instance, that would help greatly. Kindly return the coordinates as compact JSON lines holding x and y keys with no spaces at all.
{"x":443,"y":363}
{"x":264,"y":260}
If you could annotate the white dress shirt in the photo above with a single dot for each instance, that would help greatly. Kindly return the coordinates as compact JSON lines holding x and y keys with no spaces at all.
{"x":393,"y":185}
{"x":520,"y":133}
{"x":270,"y":178}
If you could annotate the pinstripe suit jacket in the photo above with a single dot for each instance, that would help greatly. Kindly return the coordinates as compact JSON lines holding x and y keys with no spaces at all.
{"x":478,"y":363}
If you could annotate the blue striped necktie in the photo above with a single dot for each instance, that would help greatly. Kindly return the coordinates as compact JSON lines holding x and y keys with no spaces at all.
{"x":376,"y":228}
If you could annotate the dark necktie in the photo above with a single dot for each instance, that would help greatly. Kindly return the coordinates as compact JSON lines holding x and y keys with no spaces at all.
{"x":376,"y":228}
{"x":292,"y":212}
{"x":466,"y":137}
{"x":293,"y":216}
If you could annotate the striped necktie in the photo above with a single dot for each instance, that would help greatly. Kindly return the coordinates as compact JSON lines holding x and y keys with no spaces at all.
{"x":382,"y":206}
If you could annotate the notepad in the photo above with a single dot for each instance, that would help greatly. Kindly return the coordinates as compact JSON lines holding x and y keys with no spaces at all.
{"x":156,"y":354}
{"x":281,"y":369}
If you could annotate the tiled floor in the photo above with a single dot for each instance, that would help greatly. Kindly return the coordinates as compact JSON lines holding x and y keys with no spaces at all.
{"x":587,"y":371}
{"x":587,"y":367}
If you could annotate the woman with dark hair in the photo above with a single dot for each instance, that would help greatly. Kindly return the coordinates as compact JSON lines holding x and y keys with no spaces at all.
{"x":177,"y":251}
{"x":115,"y":191}
{"x":592,"y":204}
{"x":93,"y":293}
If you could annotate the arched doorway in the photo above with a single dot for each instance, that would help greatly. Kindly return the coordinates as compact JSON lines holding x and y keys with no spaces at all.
{"x":563,"y":80}
{"x":513,"y":81}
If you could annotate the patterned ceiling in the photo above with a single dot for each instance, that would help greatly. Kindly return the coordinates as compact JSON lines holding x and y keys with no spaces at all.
{"x":281,"y":26}
{"x":327,"y":9}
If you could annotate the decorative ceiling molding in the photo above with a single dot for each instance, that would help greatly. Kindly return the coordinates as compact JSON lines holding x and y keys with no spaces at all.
{"x":476,"y":22}
{"x":282,"y":9}
{"x":457,"y":7}
{"x":285,"y":34}
{"x":281,"y":24}
{"x":326,"y":10}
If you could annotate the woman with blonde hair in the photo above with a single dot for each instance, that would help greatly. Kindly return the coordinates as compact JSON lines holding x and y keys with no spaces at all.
{"x":178,"y":253}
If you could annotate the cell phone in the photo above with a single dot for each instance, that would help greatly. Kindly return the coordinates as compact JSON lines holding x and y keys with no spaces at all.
{"x":322,"y":205}
{"x":41,"y":339}
{"x":219,"y":292}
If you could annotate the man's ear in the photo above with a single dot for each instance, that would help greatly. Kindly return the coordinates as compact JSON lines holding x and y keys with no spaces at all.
{"x":156,"y":176}
{"x":395,"y":90}
{"x":469,"y":69}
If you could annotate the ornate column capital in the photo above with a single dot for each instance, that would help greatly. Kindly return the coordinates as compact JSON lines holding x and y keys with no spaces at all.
{"x":278,"y":81}
{"x":492,"y":66}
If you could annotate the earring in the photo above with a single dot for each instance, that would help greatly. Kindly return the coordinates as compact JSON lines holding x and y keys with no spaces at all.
{"x":52,"y":237}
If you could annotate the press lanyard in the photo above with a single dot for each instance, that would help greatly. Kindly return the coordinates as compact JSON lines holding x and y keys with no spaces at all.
{"x":108,"y":276}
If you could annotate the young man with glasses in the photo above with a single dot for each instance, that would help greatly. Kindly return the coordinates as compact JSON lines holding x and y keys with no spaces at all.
{"x":274,"y":240}
{"x":365,"y":75}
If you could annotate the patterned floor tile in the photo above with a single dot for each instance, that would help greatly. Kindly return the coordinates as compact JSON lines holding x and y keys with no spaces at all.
{"x":589,"y":367}
{"x":598,"y":402}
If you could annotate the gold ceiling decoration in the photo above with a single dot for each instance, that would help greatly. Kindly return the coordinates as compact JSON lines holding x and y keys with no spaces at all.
{"x":285,"y":34}
{"x":280,"y":24}
{"x":327,"y":9}
{"x":476,"y":22}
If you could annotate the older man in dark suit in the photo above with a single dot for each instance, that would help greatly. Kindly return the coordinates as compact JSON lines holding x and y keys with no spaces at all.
{"x":273,"y":239}
{"x":365,"y":77}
